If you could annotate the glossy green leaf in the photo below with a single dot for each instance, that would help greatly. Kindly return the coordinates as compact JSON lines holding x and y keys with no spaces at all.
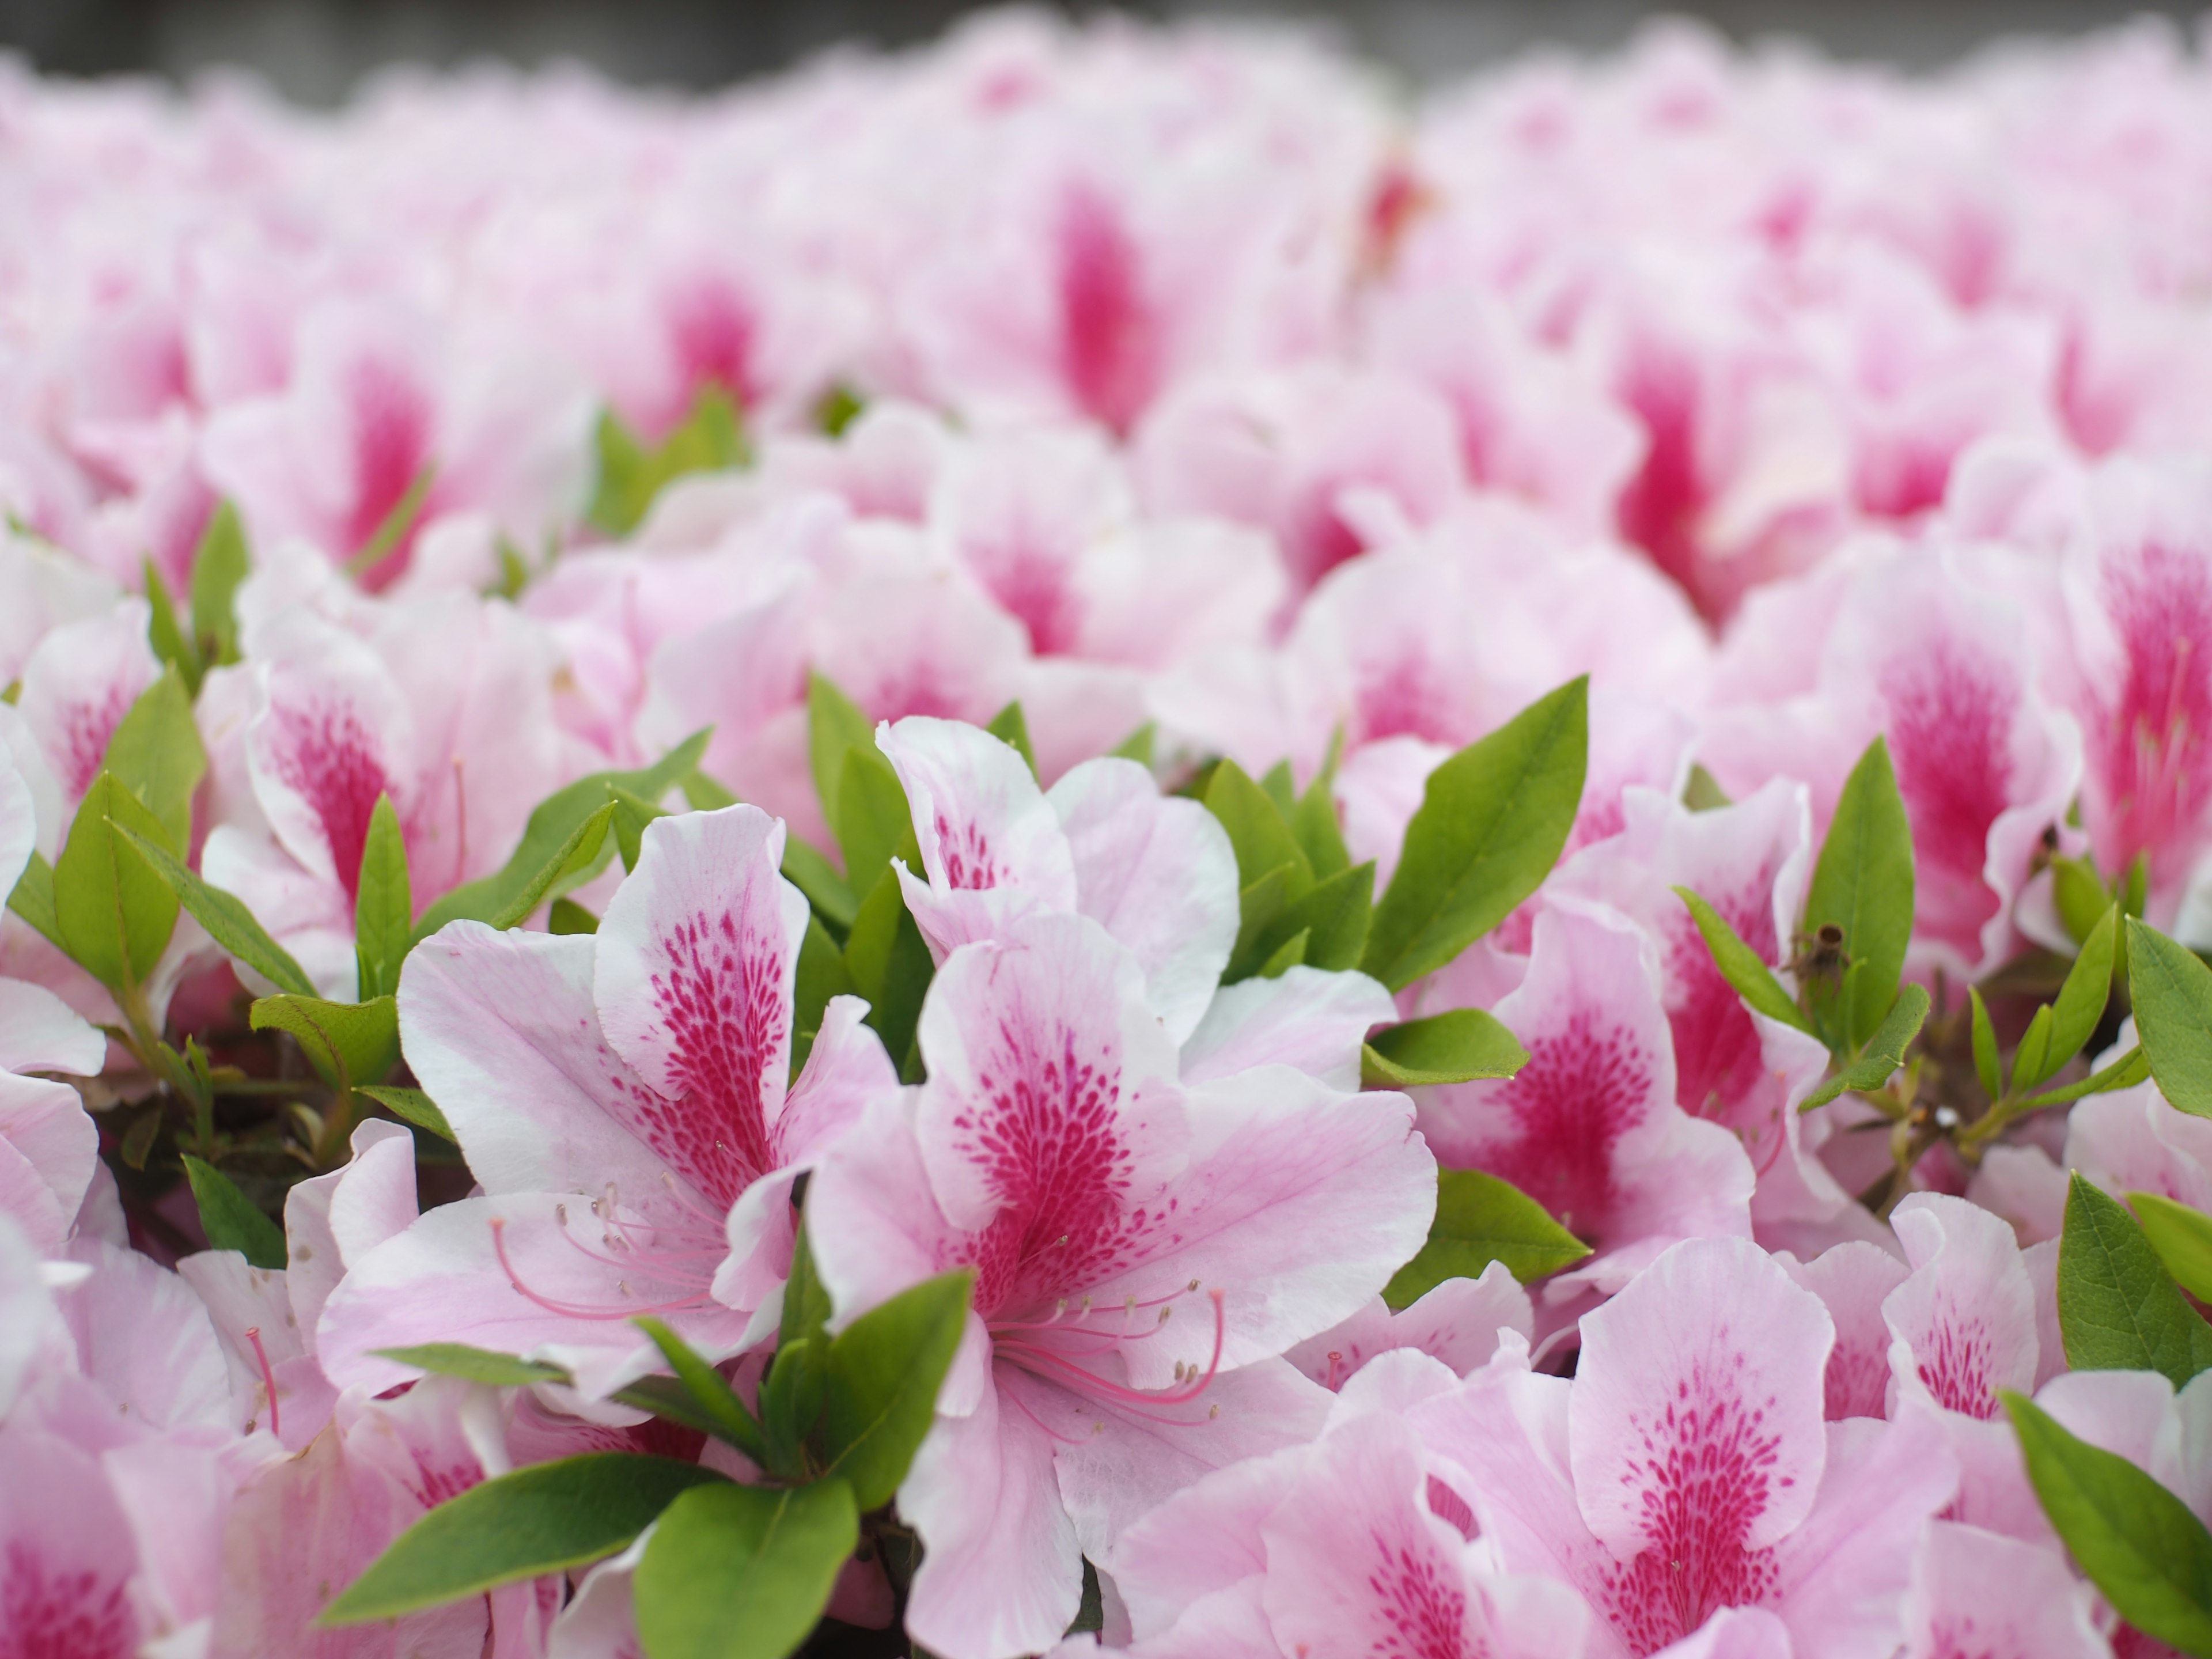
{"x":33,"y":899}
{"x":566,"y":916}
{"x":743,"y":1572}
{"x":1138,"y":745}
{"x":348,"y":1043}
{"x":1741,"y":966}
{"x":1315,"y":826}
{"x":1457,"y":1046}
{"x":1258,"y":906}
{"x":632,"y":812}
{"x":889,"y":963}
{"x":226,"y":918}
{"x":1985,"y":1047}
{"x":885,"y":1369}
{"x":1280,"y":787}
{"x":632,"y":473}
{"x":2182,"y":1237}
{"x":553,"y":823}
{"x":792,"y":1398}
{"x":1290,"y":953}
{"x":2118,"y":1309}
{"x":2079,"y":895}
{"x":1481,"y":1219}
{"x":575,"y":857}
{"x":821,"y":974}
{"x":806,"y":1306}
{"x":167,"y":635}
{"x":2125,"y":1072}
{"x":384,"y":903}
{"x":1703,"y":792}
{"x":2138,"y":1543}
{"x":1333,"y":915}
{"x":2031,"y":1057}
{"x":1012,"y":727}
{"x":2081,"y":1000}
{"x":1885,"y":1050}
{"x":805,"y":868}
{"x":835,"y":726}
{"x":873,"y":822}
{"x":543,"y":1519}
{"x":156,"y":753}
{"x":411,"y":1106}
{"x":501,"y":1370}
{"x":229,"y":1219}
{"x":1258,"y":831}
{"x":2173,"y":992}
{"x":220,"y":567}
{"x":704,"y":794}
{"x":1493,"y":821}
{"x":1862,"y":884}
{"x":710,"y":1391}
{"x":114,"y":910}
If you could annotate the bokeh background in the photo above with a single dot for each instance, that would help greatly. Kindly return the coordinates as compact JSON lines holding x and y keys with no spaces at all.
{"x":315,"y":49}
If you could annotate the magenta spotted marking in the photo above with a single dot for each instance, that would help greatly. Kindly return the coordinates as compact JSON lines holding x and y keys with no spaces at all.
{"x":1108,"y":344}
{"x":327,"y":754}
{"x":1424,"y":1612}
{"x":1953,"y":1362}
{"x":965,"y":853}
{"x":1951,"y":713}
{"x":1405,"y":697}
{"x":2147,"y":750}
{"x":392,"y":433}
{"x":1718,"y":1064}
{"x":48,"y":1614}
{"x":1705,"y":1468}
{"x":86,"y":728}
{"x":721,"y":998}
{"x":1583,"y":1088}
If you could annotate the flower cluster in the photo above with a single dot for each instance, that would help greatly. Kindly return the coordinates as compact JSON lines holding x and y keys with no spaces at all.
{"x":1081,"y":841}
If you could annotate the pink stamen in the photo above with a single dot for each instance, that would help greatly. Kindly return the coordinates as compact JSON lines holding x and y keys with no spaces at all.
{"x":574,"y":1311}
{"x":1090,"y":1381}
{"x":268,"y":1377}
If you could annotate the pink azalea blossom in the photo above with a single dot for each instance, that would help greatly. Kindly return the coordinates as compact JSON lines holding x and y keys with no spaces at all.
{"x":1103,"y":1203}
{"x":624,"y":1099}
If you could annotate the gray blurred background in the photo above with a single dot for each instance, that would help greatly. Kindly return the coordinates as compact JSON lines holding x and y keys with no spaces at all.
{"x":314,"y":50}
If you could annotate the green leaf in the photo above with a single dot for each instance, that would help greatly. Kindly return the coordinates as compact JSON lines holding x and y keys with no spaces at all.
{"x":2118,"y":1309}
{"x":743,"y":1572}
{"x":890,"y":963}
{"x":791,"y":1403}
{"x":1885,"y":1050}
{"x":1493,"y":821}
{"x":726,"y":1413}
{"x":1703,"y":792}
{"x":501,"y":1370}
{"x":219,"y":567}
{"x":822,"y":976}
{"x":873,"y":822}
{"x":411,"y":1106}
{"x":1862,"y":884}
{"x":229,"y":1219}
{"x":1457,"y":1046}
{"x":806,"y":1306}
{"x":172,"y":645}
{"x":2081,"y":1002}
{"x":835,"y":725}
{"x":2130,"y":1069}
{"x":552,"y":827}
{"x":1314,"y":826}
{"x":704,"y":794}
{"x":543,"y":1519}
{"x":1258,"y":905}
{"x":566,"y":916}
{"x":2173,"y":992}
{"x":2183,"y":1238}
{"x":348,"y":1043}
{"x":1985,"y":1047}
{"x":632,"y":812}
{"x":1138,"y":745}
{"x":33,"y":899}
{"x":885,"y":1371}
{"x":384,"y":903}
{"x":1333,"y":915}
{"x":805,"y":868}
{"x":1292,"y":953}
{"x":1481,"y":1219}
{"x":2028,"y":1067}
{"x":1741,"y":966}
{"x":1257,"y":830}
{"x":2079,"y":895}
{"x":113,"y":910}
{"x":1091,"y":1611}
{"x":1010,"y":726}
{"x":575,"y":857}
{"x":384,"y":541}
{"x":225,"y":916}
{"x":839,"y":408}
{"x":156,"y":753}
{"x":2138,"y":1543}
